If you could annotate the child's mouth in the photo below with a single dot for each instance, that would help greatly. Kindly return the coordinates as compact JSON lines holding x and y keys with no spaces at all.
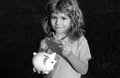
{"x":57,"y":27}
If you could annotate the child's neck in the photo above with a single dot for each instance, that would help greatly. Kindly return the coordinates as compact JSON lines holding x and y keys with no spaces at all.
{"x":60,"y":36}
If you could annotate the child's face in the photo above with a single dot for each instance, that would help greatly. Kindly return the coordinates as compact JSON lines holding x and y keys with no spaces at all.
{"x":60,"y":22}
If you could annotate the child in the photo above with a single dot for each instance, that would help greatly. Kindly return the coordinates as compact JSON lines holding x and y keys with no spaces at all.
{"x":65,"y":36}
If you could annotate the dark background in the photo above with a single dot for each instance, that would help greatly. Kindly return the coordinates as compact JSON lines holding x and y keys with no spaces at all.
{"x":21,"y":32}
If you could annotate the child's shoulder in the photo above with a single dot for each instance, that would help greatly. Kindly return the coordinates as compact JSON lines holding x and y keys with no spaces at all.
{"x":44,"y":40}
{"x":82,"y":39}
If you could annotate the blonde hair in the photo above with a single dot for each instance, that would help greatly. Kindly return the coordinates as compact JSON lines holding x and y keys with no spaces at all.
{"x":69,"y":7}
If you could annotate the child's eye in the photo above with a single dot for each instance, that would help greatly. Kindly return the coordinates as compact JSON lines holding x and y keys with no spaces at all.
{"x":63,"y":18}
{"x":53,"y":17}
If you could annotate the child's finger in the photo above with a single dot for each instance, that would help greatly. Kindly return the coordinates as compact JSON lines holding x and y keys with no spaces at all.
{"x":65,"y":53}
{"x":64,"y":43}
{"x":39,"y":72}
{"x":34,"y":70}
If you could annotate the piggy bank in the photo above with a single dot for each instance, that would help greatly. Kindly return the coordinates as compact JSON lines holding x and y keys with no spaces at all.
{"x":43,"y":62}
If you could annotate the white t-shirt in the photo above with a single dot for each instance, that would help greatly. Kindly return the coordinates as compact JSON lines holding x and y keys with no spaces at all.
{"x":80,"y":49}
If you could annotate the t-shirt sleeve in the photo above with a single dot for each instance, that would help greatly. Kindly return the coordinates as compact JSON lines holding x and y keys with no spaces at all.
{"x":43,"y":45}
{"x":83,"y":49}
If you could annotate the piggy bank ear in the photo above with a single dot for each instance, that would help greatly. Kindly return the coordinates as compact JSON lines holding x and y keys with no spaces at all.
{"x":53,"y":55}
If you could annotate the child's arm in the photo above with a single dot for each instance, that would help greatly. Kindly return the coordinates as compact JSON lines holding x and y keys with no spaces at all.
{"x":79,"y":62}
{"x":79,"y":65}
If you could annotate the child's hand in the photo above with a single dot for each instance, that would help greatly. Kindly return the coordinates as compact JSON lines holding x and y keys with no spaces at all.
{"x":35,"y":70}
{"x":66,"y":48}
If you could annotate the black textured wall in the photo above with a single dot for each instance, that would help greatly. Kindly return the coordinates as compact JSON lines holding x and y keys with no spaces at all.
{"x":20,"y":35}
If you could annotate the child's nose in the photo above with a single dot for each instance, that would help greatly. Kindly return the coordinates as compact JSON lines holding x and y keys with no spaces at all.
{"x":58,"y":22}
